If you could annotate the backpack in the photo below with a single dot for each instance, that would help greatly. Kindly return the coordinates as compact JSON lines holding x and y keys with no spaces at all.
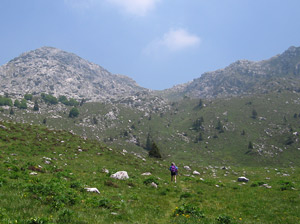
{"x":173,"y":169}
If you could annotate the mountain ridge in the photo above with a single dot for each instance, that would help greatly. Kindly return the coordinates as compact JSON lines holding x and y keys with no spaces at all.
{"x":57,"y":72}
{"x":54,"y":71}
{"x":244,"y":77}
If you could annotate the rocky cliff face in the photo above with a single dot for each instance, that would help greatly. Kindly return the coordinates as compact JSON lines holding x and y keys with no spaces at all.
{"x":246,"y":77}
{"x":57,"y":72}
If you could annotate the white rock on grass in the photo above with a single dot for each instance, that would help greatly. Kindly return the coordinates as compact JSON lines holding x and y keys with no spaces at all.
{"x":153,"y":185}
{"x":243,"y":179}
{"x":104,"y":170}
{"x":187,"y":168}
{"x":196,"y":172}
{"x":92,"y":189}
{"x":146,"y":174}
{"x":120,"y":175}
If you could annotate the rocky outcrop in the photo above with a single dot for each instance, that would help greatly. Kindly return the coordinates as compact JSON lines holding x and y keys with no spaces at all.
{"x":53,"y":71}
{"x":244,"y":77}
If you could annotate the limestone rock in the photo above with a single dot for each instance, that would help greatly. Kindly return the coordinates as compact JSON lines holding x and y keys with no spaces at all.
{"x":120,"y":175}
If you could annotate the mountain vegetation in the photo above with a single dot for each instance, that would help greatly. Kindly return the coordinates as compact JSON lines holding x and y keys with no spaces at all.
{"x":67,"y":125}
{"x":45,"y":174}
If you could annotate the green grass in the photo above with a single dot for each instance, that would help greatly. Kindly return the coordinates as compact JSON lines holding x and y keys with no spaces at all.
{"x":172,"y":128}
{"x":56,"y":194}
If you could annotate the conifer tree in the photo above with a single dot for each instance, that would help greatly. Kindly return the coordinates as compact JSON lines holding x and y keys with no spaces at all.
{"x":155,"y":152}
{"x":36,"y":106}
{"x":148,"y":142}
{"x":254,"y":114}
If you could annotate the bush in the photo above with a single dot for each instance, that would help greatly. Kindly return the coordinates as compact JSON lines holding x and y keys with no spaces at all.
{"x":224,"y":219}
{"x":49,"y":98}
{"x":105,"y":203}
{"x":37,"y":221}
{"x":28,"y":96}
{"x":74,"y":112}
{"x":185,"y":195}
{"x":65,"y":216}
{"x":150,"y":180}
{"x":189,"y":209}
{"x":5,"y":101}
{"x":23,"y":104}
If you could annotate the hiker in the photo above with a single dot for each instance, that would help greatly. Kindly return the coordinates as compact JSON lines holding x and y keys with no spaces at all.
{"x":174,"y":171}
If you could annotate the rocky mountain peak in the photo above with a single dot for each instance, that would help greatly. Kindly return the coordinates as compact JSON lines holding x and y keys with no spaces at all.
{"x":54,"y":71}
{"x":245,"y":77}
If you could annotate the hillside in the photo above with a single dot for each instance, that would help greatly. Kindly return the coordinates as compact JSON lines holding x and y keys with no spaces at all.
{"x":51,"y":70}
{"x":217,"y":132}
{"x":44,"y":173}
{"x":243,"y":77}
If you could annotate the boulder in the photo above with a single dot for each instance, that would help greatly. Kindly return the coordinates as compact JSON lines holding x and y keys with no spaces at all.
{"x":146,"y":174}
{"x":120,"y":175}
{"x":153,"y":185}
{"x":104,"y":170}
{"x":187,"y":168}
{"x":243,"y":179}
{"x":196,"y":172}
{"x":92,"y":189}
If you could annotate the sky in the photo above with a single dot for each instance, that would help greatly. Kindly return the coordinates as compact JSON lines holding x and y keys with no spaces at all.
{"x":157,"y":43}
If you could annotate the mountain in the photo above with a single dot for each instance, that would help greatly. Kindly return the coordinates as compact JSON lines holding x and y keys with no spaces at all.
{"x":243,"y":77}
{"x":57,"y":72}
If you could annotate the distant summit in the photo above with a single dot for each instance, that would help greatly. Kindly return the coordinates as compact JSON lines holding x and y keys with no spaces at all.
{"x":245,"y":77}
{"x":51,"y":70}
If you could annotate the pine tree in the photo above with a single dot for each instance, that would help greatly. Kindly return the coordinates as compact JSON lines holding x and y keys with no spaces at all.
{"x":220,"y":127}
{"x":254,"y":114}
{"x":243,"y":132}
{"x":155,"y":152}
{"x":148,"y":142}
{"x":250,"y":145}
{"x":36,"y":106}
{"x":11,"y":112}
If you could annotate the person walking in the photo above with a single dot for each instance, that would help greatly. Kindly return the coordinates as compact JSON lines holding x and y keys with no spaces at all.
{"x":174,"y":171}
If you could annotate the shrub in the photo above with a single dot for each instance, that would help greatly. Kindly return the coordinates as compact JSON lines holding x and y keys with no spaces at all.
{"x":189,"y":209}
{"x":74,"y":112}
{"x":5,"y":101}
{"x":150,"y":180}
{"x":49,"y":98}
{"x":105,"y":203}
{"x":185,"y":195}
{"x":37,"y":221}
{"x":65,"y":216}
{"x":286,"y":185}
{"x":28,"y":96}
{"x":223,"y":219}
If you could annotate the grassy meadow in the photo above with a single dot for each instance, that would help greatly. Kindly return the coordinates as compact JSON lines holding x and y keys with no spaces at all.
{"x":43,"y":174}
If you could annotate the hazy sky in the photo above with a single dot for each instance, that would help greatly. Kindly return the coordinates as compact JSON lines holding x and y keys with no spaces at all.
{"x":158,"y":43}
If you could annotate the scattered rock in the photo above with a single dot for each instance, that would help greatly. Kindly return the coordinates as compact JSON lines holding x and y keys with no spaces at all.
{"x":120,"y":175}
{"x":153,"y":185}
{"x":266,"y":186}
{"x":146,"y":174}
{"x":33,"y":173}
{"x":3,"y":127}
{"x":92,"y":189}
{"x":243,"y":179}
{"x":196,"y":172}
{"x":187,"y":168}
{"x":104,"y":170}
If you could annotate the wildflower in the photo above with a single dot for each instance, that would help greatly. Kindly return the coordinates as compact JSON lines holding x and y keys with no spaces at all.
{"x":188,"y":216}
{"x":240,"y":219}
{"x":177,"y":214}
